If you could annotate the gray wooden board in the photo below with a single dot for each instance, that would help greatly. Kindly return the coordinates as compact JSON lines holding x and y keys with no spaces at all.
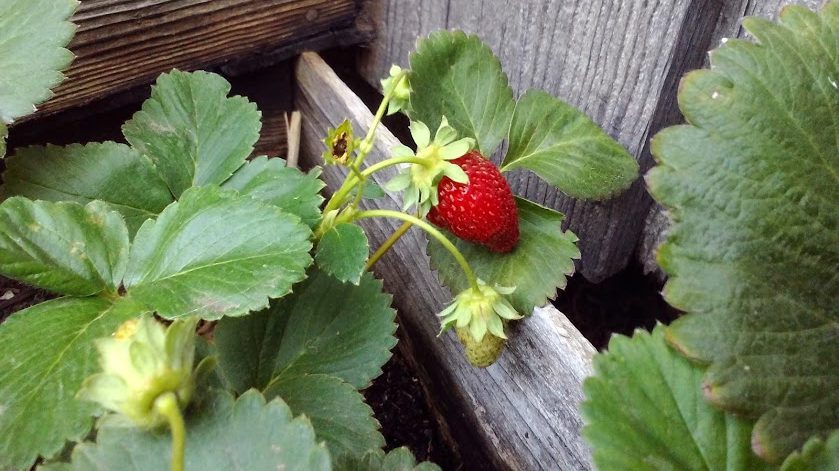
{"x":728,"y":26}
{"x":617,"y":60}
{"x":520,"y":413}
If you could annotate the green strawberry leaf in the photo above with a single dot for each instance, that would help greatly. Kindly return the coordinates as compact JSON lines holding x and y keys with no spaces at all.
{"x":817,"y":455}
{"x":270,"y":181}
{"x":566,"y":148}
{"x":46,"y":352}
{"x":457,"y":76}
{"x":63,"y":247}
{"x":751,"y":183}
{"x":192,"y":131}
{"x":242,"y":435}
{"x":539,"y":264}
{"x":110,"y":172}
{"x":644,"y":410}
{"x":214,"y":253}
{"x":324,"y":327}
{"x":337,"y":411}
{"x":342,"y":252}
{"x":33,"y":34}
{"x":399,"y":459}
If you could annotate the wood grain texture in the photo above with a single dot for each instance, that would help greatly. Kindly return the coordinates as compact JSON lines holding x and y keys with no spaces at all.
{"x":519,"y":414}
{"x":616,"y":60}
{"x":729,"y":26}
{"x":121,"y":44}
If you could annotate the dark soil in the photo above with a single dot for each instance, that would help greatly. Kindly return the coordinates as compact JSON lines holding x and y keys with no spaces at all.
{"x":620,"y":304}
{"x":15,"y":296}
{"x":400,"y":405}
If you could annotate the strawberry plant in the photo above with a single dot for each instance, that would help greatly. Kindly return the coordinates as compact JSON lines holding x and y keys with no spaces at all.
{"x":747,"y":379}
{"x":145,"y":240}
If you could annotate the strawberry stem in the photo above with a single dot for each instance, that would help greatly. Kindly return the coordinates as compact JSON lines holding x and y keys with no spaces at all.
{"x":433,"y":232}
{"x":167,"y":405}
{"x":391,"y":162}
{"x":386,"y":245}
{"x":367,"y":144}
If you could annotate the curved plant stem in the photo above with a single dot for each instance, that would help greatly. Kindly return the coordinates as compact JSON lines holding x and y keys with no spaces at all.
{"x":338,"y":196}
{"x":362,"y":177}
{"x":391,"y":162}
{"x":386,"y":245}
{"x":432,"y":231}
{"x":167,"y":405}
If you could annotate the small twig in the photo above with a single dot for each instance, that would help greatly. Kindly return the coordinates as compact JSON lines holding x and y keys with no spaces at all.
{"x":293,"y":126}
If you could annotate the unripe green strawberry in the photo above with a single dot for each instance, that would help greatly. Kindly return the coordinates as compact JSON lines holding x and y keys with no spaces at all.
{"x":483,"y":210}
{"x":480,"y":354}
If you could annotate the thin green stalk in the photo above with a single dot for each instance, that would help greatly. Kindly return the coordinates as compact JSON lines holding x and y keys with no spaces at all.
{"x":391,"y":162}
{"x":432,"y":231}
{"x":386,"y":245}
{"x":380,"y":165}
{"x":167,"y":405}
{"x":359,"y":193}
{"x":367,"y":143}
{"x":338,"y":196}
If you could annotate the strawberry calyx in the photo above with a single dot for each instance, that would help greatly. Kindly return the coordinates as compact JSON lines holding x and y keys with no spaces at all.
{"x":482,"y":310}
{"x":433,"y":162}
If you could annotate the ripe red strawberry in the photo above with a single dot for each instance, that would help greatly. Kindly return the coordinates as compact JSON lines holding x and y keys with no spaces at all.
{"x":482,"y":211}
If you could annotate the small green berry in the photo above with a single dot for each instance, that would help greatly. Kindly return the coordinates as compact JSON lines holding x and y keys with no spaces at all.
{"x":481,"y":353}
{"x":140,"y":362}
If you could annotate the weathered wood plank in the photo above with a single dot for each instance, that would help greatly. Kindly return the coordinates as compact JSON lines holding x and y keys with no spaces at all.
{"x":617,"y":60}
{"x":121,"y":44}
{"x":729,"y":26}
{"x":521,"y":413}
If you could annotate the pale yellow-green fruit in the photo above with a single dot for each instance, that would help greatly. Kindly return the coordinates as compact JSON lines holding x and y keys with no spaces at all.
{"x":140,"y":362}
{"x":480,"y":354}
